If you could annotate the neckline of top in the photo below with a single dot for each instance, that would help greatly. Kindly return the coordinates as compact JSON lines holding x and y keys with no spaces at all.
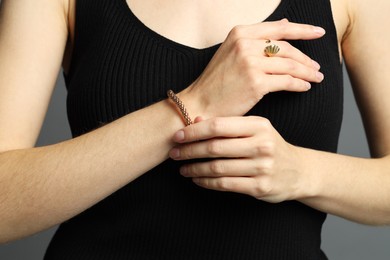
{"x":122,"y":4}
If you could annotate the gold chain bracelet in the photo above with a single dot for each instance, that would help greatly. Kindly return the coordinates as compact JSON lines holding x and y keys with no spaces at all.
{"x":181,"y":107}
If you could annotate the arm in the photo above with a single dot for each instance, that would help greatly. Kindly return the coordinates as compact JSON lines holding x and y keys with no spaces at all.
{"x":41,"y":187}
{"x":264,"y":166}
{"x":359,"y":189}
{"x":51,"y":184}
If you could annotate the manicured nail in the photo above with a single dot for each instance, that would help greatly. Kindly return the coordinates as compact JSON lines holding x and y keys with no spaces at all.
{"x":319,"y":30}
{"x":308,"y":85}
{"x":179,"y":136}
{"x":319,"y":76}
{"x":316,"y":65}
{"x":174,"y":153}
{"x":183,"y":171}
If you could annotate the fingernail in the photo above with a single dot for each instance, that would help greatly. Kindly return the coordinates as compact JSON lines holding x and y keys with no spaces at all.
{"x":319,"y":30}
{"x":183,"y":171}
{"x":316,"y":65}
{"x":319,"y":76}
{"x":174,"y":153}
{"x":179,"y":136}
{"x":308,"y":85}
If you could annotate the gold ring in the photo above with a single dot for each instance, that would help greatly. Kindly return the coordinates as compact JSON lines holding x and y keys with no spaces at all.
{"x":271,"y":50}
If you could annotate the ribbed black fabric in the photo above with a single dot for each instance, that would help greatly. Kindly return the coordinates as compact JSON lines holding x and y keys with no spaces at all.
{"x":119,"y":65}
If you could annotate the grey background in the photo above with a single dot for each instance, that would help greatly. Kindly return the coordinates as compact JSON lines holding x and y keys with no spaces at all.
{"x":341,"y":239}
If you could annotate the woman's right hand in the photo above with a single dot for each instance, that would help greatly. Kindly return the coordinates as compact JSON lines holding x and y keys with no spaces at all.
{"x":240,"y":74}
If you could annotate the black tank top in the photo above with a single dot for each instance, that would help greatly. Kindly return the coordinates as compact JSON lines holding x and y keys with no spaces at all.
{"x":118,"y":66}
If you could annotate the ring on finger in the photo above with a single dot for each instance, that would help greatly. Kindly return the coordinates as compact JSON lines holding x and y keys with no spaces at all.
{"x":271,"y":50}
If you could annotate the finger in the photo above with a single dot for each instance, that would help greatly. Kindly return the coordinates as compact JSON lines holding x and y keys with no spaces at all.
{"x":285,"y":66}
{"x":198,"y":119}
{"x":226,"y":168}
{"x":285,"y":82}
{"x":289,"y":51}
{"x":243,"y":185}
{"x":256,"y":48}
{"x":279,"y":30}
{"x":221,"y":127}
{"x":289,"y":31}
{"x":215,"y":148}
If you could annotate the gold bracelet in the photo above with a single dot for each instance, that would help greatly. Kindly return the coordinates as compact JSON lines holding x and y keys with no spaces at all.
{"x":181,"y":107}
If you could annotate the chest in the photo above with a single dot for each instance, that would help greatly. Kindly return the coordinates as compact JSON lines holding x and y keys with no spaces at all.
{"x":202,"y":23}
{"x":120,"y":65}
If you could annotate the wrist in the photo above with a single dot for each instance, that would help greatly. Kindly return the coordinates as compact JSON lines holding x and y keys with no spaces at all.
{"x":310,"y":177}
{"x":194,"y":103}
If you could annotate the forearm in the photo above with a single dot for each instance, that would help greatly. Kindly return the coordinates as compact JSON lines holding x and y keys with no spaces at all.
{"x":353,"y":188}
{"x":41,"y":187}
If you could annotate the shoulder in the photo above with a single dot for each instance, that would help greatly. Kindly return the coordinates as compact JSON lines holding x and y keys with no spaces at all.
{"x":358,"y":15}
{"x":368,"y":20}
{"x":70,"y":12}
{"x":342,"y":18}
{"x":69,"y":7}
{"x":56,"y":9}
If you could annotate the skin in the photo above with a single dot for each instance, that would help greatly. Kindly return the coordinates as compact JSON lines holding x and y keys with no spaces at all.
{"x":266,"y":167}
{"x":41,"y":187}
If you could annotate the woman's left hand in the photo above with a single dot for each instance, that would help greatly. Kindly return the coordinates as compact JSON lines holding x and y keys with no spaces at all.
{"x":248,"y":156}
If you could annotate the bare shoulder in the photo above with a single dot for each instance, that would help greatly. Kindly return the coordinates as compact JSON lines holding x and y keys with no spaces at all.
{"x":71,"y":20}
{"x":71,"y":12}
{"x":357,"y":17}
{"x":366,"y":16}
{"x":33,"y":35}
{"x":342,"y":19}
{"x":368,"y":31}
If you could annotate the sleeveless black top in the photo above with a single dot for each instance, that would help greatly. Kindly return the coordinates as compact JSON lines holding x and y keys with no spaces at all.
{"x":118,"y":66}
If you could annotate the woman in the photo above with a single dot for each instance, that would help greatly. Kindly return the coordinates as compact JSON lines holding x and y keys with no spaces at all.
{"x":112,"y":185}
